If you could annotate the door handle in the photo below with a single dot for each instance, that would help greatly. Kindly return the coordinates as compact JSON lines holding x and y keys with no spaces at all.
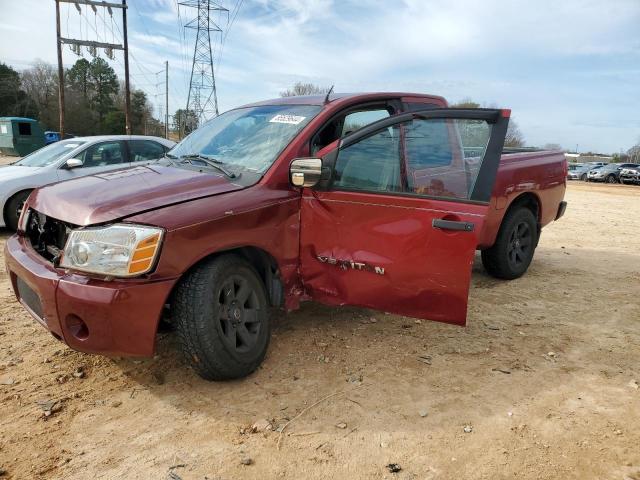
{"x":452,"y":225}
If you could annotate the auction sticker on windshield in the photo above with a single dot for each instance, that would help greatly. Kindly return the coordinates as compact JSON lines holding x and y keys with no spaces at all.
{"x":291,"y":119}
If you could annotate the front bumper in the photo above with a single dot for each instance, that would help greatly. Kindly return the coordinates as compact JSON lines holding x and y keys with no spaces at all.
{"x":630,"y":178}
{"x":116,"y":318}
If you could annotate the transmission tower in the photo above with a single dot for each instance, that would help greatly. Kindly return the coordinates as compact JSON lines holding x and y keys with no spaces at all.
{"x":202,"y":101}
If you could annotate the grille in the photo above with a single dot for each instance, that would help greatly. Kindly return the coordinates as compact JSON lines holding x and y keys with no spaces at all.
{"x":47,"y":235}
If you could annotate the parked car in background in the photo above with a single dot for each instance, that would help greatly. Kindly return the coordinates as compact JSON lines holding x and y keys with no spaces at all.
{"x":630,"y":175}
{"x":574,"y":166}
{"x":69,"y":159}
{"x":377,"y":200}
{"x":20,"y":136}
{"x":609,"y":173}
{"x":580,"y":173}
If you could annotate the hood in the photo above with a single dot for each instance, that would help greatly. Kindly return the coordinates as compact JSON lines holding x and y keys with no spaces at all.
{"x":120,"y":193}
{"x":9,"y":172}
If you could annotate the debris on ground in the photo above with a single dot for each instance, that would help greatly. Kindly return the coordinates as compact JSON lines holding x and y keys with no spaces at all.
{"x":341,"y":425}
{"x":501,"y":370}
{"x":468,"y":429}
{"x":261,"y":425}
{"x":246,"y":461}
{"x":49,"y":407}
{"x":79,"y":372}
{"x":116,"y":403}
{"x":394,"y":467}
{"x":425,"y":359}
{"x":633,"y":384}
{"x":423,"y":413}
{"x":7,"y":381}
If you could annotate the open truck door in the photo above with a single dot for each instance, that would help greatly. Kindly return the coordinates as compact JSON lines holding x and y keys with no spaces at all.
{"x":394,"y":214}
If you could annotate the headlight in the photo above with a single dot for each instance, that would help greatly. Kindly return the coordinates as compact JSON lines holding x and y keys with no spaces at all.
{"x":118,"y":250}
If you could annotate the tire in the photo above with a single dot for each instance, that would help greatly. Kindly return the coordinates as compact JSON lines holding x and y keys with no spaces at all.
{"x":512,"y":252}
{"x":14,"y":208}
{"x":611,"y":179}
{"x":583,"y":177}
{"x":221,"y":336}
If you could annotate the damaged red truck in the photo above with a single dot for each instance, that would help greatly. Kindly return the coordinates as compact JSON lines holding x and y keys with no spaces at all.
{"x":377,"y":200}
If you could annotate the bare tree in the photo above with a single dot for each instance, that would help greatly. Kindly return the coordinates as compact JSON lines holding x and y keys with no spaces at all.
{"x":304,"y":89}
{"x":514,"y":137}
{"x":40,"y":82}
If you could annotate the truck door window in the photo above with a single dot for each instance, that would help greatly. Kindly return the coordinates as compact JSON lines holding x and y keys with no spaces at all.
{"x":356,"y":120}
{"x":443,"y":156}
{"x":342,"y":125}
{"x":372,"y":164}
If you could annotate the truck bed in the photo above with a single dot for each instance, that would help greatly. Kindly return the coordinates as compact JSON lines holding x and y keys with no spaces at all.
{"x":541,"y":174}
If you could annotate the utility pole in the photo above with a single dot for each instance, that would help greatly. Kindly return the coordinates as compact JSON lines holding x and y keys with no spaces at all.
{"x":60,"y":71}
{"x":109,"y":47}
{"x":166,"y":100}
{"x":127,"y":90}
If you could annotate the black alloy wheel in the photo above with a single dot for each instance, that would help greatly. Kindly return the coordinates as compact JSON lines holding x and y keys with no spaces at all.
{"x":238,"y":317}
{"x":520,"y":245}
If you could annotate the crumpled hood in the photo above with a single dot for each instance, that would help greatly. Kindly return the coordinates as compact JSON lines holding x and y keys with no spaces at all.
{"x":120,"y":193}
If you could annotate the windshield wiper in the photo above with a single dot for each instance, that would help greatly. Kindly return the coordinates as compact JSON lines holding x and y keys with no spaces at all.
{"x":211,"y":162}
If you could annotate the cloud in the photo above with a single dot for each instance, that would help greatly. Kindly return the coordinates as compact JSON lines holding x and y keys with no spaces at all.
{"x":564,"y":67}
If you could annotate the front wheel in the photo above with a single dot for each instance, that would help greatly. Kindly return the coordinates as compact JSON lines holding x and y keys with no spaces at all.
{"x":512,"y":252}
{"x":611,"y":179}
{"x":222,"y":319}
{"x":583,"y":177}
{"x":14,"y":207}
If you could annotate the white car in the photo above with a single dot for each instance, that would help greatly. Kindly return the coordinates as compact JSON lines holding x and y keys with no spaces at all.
{"x":72,"y":158}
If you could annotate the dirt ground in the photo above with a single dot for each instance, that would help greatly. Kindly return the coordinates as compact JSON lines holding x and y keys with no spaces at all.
{"x":542,"y":383}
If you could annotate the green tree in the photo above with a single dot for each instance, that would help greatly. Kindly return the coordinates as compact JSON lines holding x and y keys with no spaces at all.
{"x":114,"y":123}
{"x":141,"y":112}
{"x":104,"y":84}
{"x":14,"y":101}
{"x":79,"y":78}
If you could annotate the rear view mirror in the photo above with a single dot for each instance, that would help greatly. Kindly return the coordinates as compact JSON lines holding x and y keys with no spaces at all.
{"x":305,"y":172}
{"x":74,"y":163}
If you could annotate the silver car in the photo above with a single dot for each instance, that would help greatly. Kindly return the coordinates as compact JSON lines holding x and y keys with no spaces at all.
{"x":69,"y":159}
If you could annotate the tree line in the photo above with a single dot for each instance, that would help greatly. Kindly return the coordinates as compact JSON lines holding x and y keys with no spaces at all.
{"x":94,"y":99}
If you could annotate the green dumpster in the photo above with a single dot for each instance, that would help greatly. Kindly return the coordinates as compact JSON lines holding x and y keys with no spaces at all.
{"x":20,"y":136}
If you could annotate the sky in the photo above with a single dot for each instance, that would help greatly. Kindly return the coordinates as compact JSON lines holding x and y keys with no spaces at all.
{"x":569,"y":70}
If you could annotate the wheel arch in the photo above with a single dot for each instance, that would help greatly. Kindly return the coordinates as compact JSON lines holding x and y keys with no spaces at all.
{"x":9,"y":197}
{"x":265,"y":264}
{"x":528,"y":200}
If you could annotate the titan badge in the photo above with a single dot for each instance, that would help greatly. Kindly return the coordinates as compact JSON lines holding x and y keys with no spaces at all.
{"x":347,"y":264}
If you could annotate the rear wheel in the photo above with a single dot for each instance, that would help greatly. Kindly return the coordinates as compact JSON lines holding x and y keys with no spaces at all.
{"x":222,"y":319}
{"x":611,"y":179}
{"x":583,"y":177}
{"x":14,"y":209}
{"x":511,"y":254}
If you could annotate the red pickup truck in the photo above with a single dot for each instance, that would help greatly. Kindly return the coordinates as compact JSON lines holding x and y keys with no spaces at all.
{"x":378,"y":200}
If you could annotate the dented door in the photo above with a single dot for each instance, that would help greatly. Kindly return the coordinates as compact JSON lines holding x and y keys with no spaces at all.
{"x":396,"y":227}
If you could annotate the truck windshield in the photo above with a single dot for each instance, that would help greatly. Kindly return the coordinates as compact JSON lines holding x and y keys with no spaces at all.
{"x":49,"y":154}
{"x":249,"y":138}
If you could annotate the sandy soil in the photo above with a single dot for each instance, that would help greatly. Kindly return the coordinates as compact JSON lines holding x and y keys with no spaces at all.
{"x":544,"y":378}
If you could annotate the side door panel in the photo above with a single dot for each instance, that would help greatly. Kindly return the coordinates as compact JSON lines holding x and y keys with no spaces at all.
{"x":383,"y":252}
{"x":388,"y":244}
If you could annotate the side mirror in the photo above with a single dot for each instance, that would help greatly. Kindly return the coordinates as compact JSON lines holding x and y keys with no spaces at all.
{"x":305,"y":172}
{"x":73,"y":163}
